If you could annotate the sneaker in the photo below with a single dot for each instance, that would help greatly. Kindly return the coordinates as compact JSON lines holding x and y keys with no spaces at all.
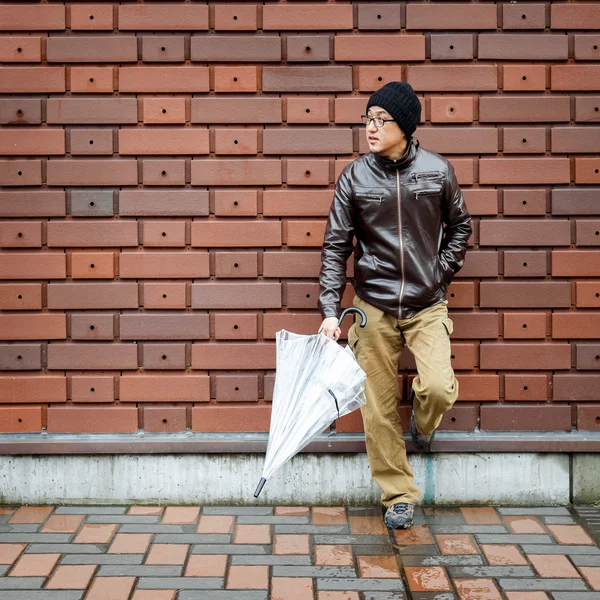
{"x":399,"y":516}
{"x":420,"y":440}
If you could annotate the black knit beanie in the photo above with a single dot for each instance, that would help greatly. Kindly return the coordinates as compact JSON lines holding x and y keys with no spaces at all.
{"x":400,"y":100}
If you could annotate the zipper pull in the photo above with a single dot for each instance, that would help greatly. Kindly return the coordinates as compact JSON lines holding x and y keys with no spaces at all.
{"x":380,"y":199}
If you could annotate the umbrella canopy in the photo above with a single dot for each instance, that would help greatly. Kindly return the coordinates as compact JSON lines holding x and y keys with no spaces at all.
{"x":316,"y":382}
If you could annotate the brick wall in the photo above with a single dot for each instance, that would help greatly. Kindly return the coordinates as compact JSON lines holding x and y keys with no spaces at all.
{"x":166,"y":174}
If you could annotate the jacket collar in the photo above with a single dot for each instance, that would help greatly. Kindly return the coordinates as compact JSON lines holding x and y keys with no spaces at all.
{"x":402,"y":162}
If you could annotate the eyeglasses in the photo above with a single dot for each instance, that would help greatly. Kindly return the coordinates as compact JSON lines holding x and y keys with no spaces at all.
{"x":379,"y":122}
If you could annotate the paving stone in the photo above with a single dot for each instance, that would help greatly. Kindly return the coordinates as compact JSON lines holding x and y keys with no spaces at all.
{"x":66,"y":548}
{"x":192,"y":538}
{"x":104,"y":559}
{"x":367,"y":584}
{"x":271,"y":520}
{"x":28,"y":538}
{"x":576,"y":595}
{"x":560,"y":549}
{"x":314,"y":571}
{"x":586,"y":561}
{"x":45,"y":595}
{"x":285,"y":560}
{"x":468,"y":529}
{"x":513,"y":538}
{"x":4,"y":569}
{"x":90,"y":510}
{"x":177,"y":529}
{"x":433,"y":596}
{"x":121,"y":519}
{"x":446,"y":560}
{"x":373,"y":549}
{"x":229,"y":549}
{"x":385,"y":596}
{"x":180,"y":583}
{"x":559,"y":520}
{"x":494,"y":572}
{"x":542,"y":584}
{"x":238,"y":510}
{"x":453,"y":519}
{"x":351,"y":539}
{"x":313,"y":529}
{"x":368,"y":511}
{"x":20,"y":528}
{"x":224,"y":595}
{"x":417,"y":550}
{"x":140,"y":571}
{"x":546,"y":510}
{"x":21,"y":583}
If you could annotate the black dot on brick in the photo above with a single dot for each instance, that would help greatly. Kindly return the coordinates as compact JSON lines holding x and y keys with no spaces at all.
{"x":91,"y":141}
{"x":524,"y":264}
{"x":524,"y":325}
{"x":164,"y":110}
{"x":164,"y":173}
{"x":308,"y":110}
{"x":164,"y":295}
{"x":92,"y":389}
{"x":308,"y":48}
{"x":235,"y":17}
{"x":236,"y":327}
{"x":451,"y":46}
{"x":453,"y":419}
{"x":92,"y":327}
{"x":237,"y":389}
{"x":92,"y":203}
{"x":525,"y":387}
{"x":379,"y":16}
{"x":163,"y":49}
{"x":523,"y":16}
{"x":20,"y":112}
{"x":524,"y":77}
{"x":19,"y":234}
{"x":235,"y":141}
{"x":307,"y":173}
{"x":20,"y":420}
{"x":20,"y":297}
{"x":19,"y":357}
{"x":452,"y":357}
{"x":524,"y":202}
{"x":308,"y":295}
{"x":19,"y":49}
{"x":164,"y":357}
{"x":20,"y":173}
{"x":92,"y":17}
{"x":235,"y":265}
{"x":164,"y":420}
{"x":92,"y":79}
{"x":524,"y":140}
{"x":235,"y":78}
{"x":164,"y":234}
{"x":92,"y":266}
{"x":380,"y":79}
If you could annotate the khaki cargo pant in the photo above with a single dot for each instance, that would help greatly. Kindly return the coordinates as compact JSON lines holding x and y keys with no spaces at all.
{"x":377,"y":348}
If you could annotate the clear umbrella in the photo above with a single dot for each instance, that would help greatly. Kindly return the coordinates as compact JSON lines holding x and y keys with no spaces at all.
{"x":316,"y":382}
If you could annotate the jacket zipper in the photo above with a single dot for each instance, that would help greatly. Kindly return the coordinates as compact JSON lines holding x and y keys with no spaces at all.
{"x":399,"y":195}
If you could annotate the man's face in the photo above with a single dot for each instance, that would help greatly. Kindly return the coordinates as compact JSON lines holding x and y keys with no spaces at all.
{"x":386,"y":138}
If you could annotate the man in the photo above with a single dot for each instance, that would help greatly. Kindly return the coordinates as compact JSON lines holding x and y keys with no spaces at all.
{"x":395,"y":201}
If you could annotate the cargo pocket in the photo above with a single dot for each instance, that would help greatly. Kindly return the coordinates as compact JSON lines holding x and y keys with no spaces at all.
{"x":353,"y":339}
{"x":449,"y":325}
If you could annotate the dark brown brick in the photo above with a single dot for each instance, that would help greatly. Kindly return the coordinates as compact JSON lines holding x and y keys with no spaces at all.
{"x":517,"y":232}
{"x":99,"y":111}
{"x":233,"y":356}
{"x":20,"y":172}
{"x":532,"y":294}
{"x":523,"y":263}
{"x":578,"y":263}
{"x":523,"y":16}
{"x":588,"y":417}
{"x":480,"y":325}
{"x":291,"y":264}
{"x":163,"y":295}
{"x":236,"y":264}
{"x":163,"y":48}
{"x":236,"y":48}
{"x":92,"y":295}
{"x":587,"y":108}
{"x":308,"y":48}
{"x":236,"y":388}
{"x":566,"y":16}
{"x":290,"y":17}
{"x":575,"y":387}
{"x":519,"y":46}
{"x":575,"y":201}
{"x":379,"y":16}
{"x":575,"y":139}
{"x":164,"y":419}
{"x":92,"y":326}
{"x":20,"y":111}
{"x":236,"y":110}
{"x":236,"y":326}
{"x":526,"y":418}
{"x":451,"y":16}
{"x":163,"y":17}
{"x":523,"y":140}
{"x":526,"y":387}
{"x":236,"y":17}
{"x":20,"y":357}
{"x":587,"y":357}
{"x":236,"y":295}
{"x":524,"y":201}
{"x":163,"y":356}
{"x":525,"y":356}
{"x":460,"y":140}
{"x":514,"y":109}
{"x":525,"y":325}
{"x":307,"y":79}
{"x":456,"y":46}
{"x":84,"y":356}
{"x":233,"y":418}
{"x":164,"y":326}
{"x":481,"y":263}
{"x":92,"y":172}
{"x":587,"y":232}
{"x":92,"y":203}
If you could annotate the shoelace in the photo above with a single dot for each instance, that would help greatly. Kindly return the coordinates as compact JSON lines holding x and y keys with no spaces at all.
{"x":402,"y":508}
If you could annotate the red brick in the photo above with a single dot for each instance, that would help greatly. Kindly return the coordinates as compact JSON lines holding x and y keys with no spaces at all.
{"x":163,"y":295}
{"x":162,"y":17}
{"x":236,"y":203}
{"x":523,"y":16}
{"x":379,"y":47}
{"x":307,"y":16}
{"x":523,"y":140}
{"x":163,"y":419}
{"x":20,"y":234}
{"x":586,"y":47}
{"x":306,"y":172}
{"x":163,"y":141}
{"x":526,"y":387}
{"x":47,"y":265}
{"x":305,"y":141}
{"x":163,"y":172}
{"x":20,"y":111}
{"x":92,"y":203}
{"x":92,"y":233}
{"x":92,"y":326}
{"x":291,"y":264}
{"x":91,"y":17}
{"x":481,"y":263}
{"x":164,"y":110}
{"x":80,"y":49}
{"x":460,"y":418}
{"x":236,"y":110}
{"x":164,"y":388}
{"x":370,"y":78}
{"x":516,"y":232}
{"x":233,"y":356}
{"x":468,"y":325}
{"x":460,"y":140}
{"x":524,"y":77}
{"x":236,"y":295}
{"x":303,"y":323}
{"x":575,"y":139}
{"x":479,"y":387}
{"x":211,"y":418}
{"x":304,"y":295}
{"x":481,"y":201}
{"x":526,"y":418}
{"x":575,"y":77}
{"x":304,"y":233}
{"x":21,"y":419}
{"x":163,"y":79}
{"x":579,"y":263}
{"x":524,"y":201}
{"x":152,"y":265}
{"x":525,"y":325}
{"x":379,"y":16}
{"x":163,"y":356}
{"x":236,"y":326}
{"x":20,"y":49}
{"x":92,"y":265}
{"x":239,"y":171}
{"x":235,"y":48}
{"x":92,"y":80}
{"x":236,"y":264}
{"x":91,"y":141}
{"x":20,"y":357}
{"x":578,"y":16}
{"x":588,"y":417}
{"x":40,"y":17}
{"x":33,"y":327}
{"x":20,"y":172}
{"x":461,"y":294}
{"x":40,"y":389}
{"x":587,"y":356}
{"x":587,"y":232}
{"x":307,"y":110}
{"x":451,"y":16}
{"x":92,"y":356}
{"x":336,"y":78}
{"x":163,"y":233}
{"x":85,"y":388}
{"x":92,"y":172}
{"x":235,"y":17}
{"x":452,"y":109}
{"x":164,"y":326}
{"x":21,"y":296}
{"x":525,"y":356}
{"x":236,"y":388}
{"x":159,"y":48}
{"x":575,"y":387}
{"x":587,"y":294}
{"x":236,"y":141}
{"x":523,"y":46}
{"x":457,"y":46}
{"x":587,"y":108}
{"x":308,"y":48}
{"x":32,"y":79}
{"x":451,"y":78}
{"x":93,"y":419}
{"x":524,"y":170}
{"x":236,"y":79}
{"x":167,"y":202}
{"x":88,"y":110}
{"x":236,"y":233}
{"x":525,"y":263}
{"x":587,"y":170}
{"x":297,"y":203}
{"x":576,"y":325}
{"x":522,"y":108}
{"x":92,"y":295}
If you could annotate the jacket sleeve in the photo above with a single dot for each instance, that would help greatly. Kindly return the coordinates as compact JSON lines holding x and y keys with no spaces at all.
{"x":337,"y":247}
{"x":458,"y":227}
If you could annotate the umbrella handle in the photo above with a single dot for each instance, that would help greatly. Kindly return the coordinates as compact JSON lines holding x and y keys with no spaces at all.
{"x":260,"y":486}
{"x":356,"y":310}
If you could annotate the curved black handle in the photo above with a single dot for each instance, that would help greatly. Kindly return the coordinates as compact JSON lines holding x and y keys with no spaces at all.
{"x":356,"y":310}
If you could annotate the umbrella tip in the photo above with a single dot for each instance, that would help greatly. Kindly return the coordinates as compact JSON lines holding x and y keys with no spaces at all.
{"x":260,"y":486}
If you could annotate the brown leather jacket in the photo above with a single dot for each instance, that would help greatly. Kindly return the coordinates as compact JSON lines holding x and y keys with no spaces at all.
{"x":375,"y":199}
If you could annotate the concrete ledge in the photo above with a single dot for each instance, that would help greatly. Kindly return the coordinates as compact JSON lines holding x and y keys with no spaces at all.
{"x":189,"y":442}
{"x":309,"y":478}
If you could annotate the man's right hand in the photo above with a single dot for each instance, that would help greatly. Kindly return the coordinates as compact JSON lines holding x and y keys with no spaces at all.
{"x":330,"y":327}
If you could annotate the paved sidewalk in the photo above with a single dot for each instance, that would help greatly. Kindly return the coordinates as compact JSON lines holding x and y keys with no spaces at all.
{"x":283,"y":553}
